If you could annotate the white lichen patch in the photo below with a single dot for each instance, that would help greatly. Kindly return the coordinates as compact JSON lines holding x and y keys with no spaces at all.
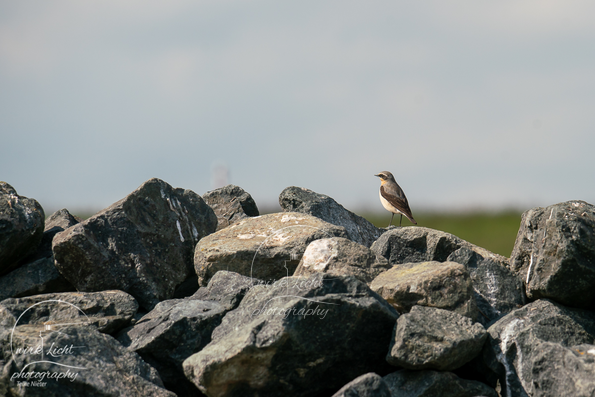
{"x":289,"y":218}
{"x":319,"y":254}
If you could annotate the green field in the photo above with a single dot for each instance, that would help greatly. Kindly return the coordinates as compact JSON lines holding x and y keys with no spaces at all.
{"x":493,"y":231}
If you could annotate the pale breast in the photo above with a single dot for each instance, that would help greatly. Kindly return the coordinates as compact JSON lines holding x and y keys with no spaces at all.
{"x":387,"y":205}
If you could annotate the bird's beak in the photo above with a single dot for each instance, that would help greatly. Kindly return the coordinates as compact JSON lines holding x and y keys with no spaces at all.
{"x":378,"y":175}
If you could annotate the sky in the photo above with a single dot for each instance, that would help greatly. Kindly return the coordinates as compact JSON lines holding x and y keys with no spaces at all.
{"x":470,"y":104}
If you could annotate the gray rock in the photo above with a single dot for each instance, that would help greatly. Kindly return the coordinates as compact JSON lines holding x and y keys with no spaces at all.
{"x":298,"y":336}
{"x":108,"y":311}
{"x":497,"y":289}
{"x":430,"y":338}
{"x":516,"y":343}
{"x":340,"y":257}
{"x":54,"y":224}
{"x":60,"y":221}
{"x":554,"y":253}
{"x":170,"y":333}
{"x":77,"y":362}
{"x":177,"y":328}
{"x":445,"y":285}
{"x":267,"y":247}
{"x":227,"y":288}
{"x":21,"y":227}
{"x":231,"y":204}
{"x":297,"y":199}
{"x":367,"y":385}
{"x":427,"y":383}
{"x":38,"y":277}
{"x":143,"y":244}
{"x":561,"y":371}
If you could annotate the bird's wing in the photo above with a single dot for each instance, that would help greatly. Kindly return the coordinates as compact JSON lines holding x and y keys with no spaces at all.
{"x":397,"y":198}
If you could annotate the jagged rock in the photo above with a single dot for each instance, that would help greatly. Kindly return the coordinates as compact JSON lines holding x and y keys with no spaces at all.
{"x":516,"y":349}
{"x":108,"y":311}
{"x":340,"y":256}
{"x":561,"y":371}
{"x":231,"y":204}
{"x":177,"y":328}
{"x":430,"y":338}
{"x":298,"y":336}
{"x":61,"y":220}
{"x":267,"y":247}
{"x":427,"y":383}
{"x":76,"y":362}
{"x":445,"y":285}
{"x":297,"y":199}
{"x":497,"y":290}
{"x":54,"y":224}
{"x":38,"y":277}
{"x":21,"y":227}
{"x":367,"y":385}
{"x":170,"y":333}
{"x":227,"y":288}
{"x":554,"y":253}
{"x":142,"y":244}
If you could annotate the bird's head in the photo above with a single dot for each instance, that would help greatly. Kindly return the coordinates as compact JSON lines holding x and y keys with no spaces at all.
{"x":385,"y":176}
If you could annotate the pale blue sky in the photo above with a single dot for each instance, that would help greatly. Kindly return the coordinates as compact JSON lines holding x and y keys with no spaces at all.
{"x":469,"y":103}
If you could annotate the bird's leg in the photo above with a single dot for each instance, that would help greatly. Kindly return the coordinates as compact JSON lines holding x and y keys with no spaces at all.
{"x":401,"y":221}
{"x":391,"y":220}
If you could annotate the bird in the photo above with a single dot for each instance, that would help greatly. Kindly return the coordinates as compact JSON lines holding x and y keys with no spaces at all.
{"x":393,"y":198}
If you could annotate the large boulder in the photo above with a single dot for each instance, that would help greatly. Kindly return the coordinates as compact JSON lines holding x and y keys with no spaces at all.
{"x":367,"y":385}
{"x":177,"y":328}
{"x":21,"y":227}
{"x":108,"y":311}
{"x":497,"y":289}
{"x":298,"y":336}
{"x":340,"y":257}
{"x":267,"y":247}
{"x":430,"y":338}
{"x":231,"y":204}
{"x":521,"y":343}
{"x":142,"y":244}
{"x":554,"y":253}
{"x":72,"y":361}
{"x":297,"y":199}
{"x":445,"y":285}
{"x":427,"y":383}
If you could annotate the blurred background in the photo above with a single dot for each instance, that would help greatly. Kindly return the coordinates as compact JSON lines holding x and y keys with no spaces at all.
{"x":480,"y":109}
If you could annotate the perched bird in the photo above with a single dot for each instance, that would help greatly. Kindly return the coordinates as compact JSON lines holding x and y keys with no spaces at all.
{"x":393,"y":198}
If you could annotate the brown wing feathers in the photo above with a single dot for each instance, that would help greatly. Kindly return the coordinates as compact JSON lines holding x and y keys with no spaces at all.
{"x":399,"y":203}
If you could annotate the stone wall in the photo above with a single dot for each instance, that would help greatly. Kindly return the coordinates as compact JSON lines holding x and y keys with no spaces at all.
{"x":168,"y":293}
